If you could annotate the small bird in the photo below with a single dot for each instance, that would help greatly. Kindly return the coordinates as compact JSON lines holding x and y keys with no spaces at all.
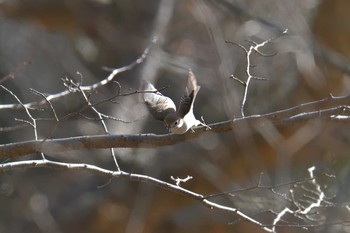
{"x":163,"y":108}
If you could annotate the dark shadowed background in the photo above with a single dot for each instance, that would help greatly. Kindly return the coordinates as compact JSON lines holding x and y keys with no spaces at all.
{"x":42,"y":41}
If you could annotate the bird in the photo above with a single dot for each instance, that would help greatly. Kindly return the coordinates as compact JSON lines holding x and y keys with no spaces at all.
{"x":163,"y":108}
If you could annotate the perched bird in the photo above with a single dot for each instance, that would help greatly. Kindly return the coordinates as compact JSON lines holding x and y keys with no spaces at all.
{"x":163,"y":108}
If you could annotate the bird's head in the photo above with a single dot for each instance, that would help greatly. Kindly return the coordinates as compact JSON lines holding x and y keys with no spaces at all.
{"x":173,"y":121}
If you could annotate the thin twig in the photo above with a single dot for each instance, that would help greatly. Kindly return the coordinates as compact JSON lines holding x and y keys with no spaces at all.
{"x":33,"y":120}
{"x":92,"y":87}
{"x":48,"y":102}
{"x":100,"y":117}
{"x":254,"y":47}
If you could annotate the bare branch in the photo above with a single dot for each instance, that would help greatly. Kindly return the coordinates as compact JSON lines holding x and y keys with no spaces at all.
{"x":238,"y":80}
{"x":129,"y":176}
{"x":302,"y":213}
{"x":48,"y":101}
{"x":100,"y":117}
{"x":33,"y":120}
{"x":282,"y":117}
{"x":111,"y":76}
{"x":179,"y":180}
{"x":254,"y":47}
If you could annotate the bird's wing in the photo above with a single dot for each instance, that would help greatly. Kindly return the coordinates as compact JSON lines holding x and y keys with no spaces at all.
{"x":186,"y":102}
{"x":158,"y":105}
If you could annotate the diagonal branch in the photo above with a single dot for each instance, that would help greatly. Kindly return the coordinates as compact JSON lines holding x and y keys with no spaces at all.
{"x":129,"y":176}
{"x":111,"y":76}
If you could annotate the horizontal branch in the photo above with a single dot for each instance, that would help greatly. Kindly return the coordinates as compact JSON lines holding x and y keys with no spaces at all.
{"x":282,"y":117}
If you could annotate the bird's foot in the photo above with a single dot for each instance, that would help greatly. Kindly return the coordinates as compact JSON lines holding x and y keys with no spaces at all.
{"x":207,"y":127}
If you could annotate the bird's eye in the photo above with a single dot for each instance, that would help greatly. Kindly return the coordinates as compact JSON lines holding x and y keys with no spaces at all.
{"x":176,"y":122}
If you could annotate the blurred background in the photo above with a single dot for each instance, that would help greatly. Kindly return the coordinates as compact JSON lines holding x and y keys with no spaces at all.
{"x":42,"y":41}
